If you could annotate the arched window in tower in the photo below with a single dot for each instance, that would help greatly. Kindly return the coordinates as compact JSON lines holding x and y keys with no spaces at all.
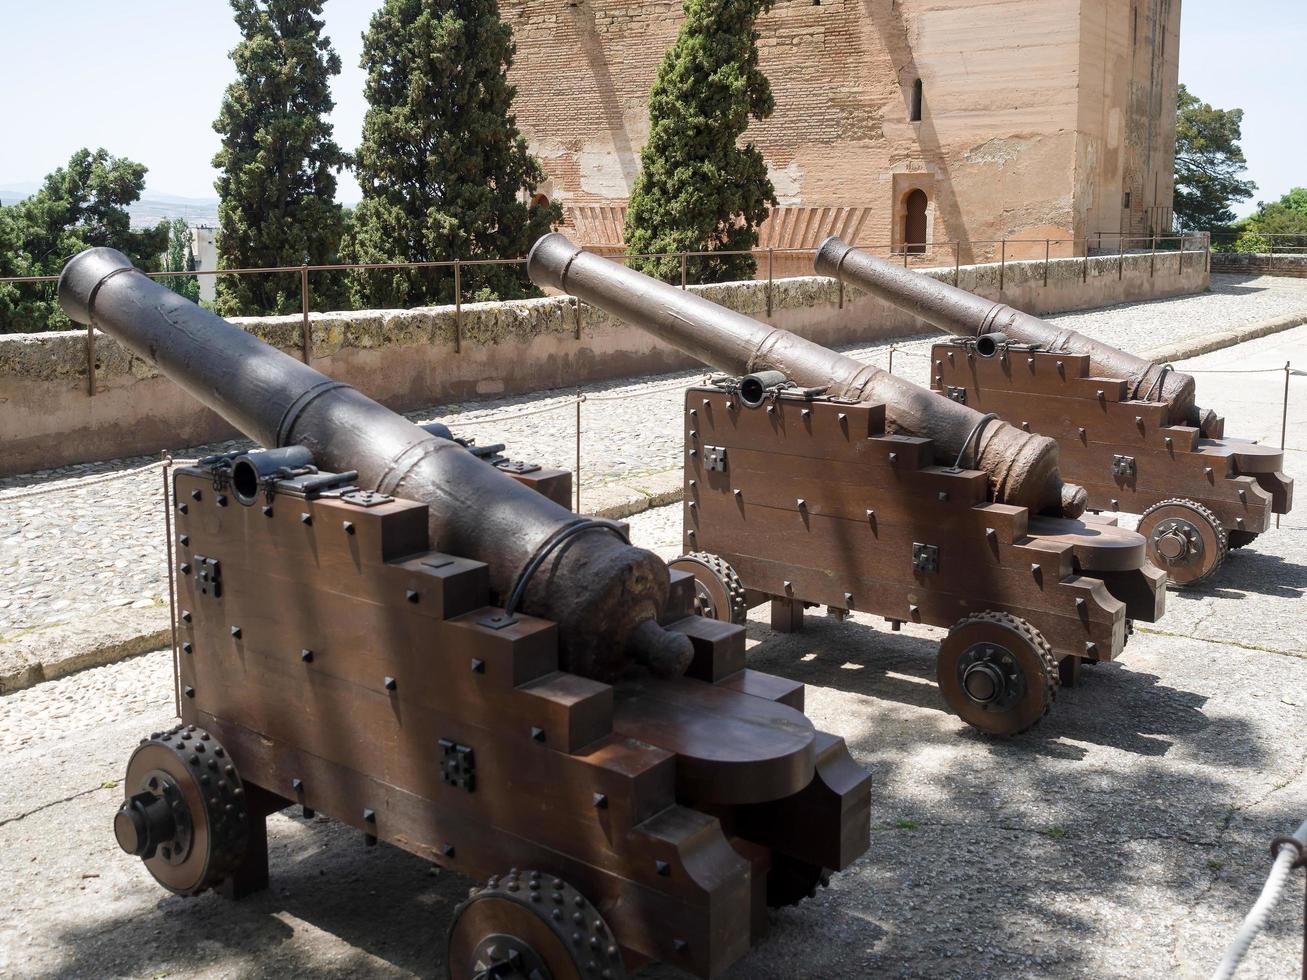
{"x":917,"y":97}
{"x":914,"y":222}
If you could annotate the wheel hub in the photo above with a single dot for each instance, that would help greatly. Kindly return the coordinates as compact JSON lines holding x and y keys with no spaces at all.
{"x":704,"y":604}
{"x":990,"y":676}
{"x":155,"y":821}
{"x":501,"y":957}
{"x":1177,"y":541}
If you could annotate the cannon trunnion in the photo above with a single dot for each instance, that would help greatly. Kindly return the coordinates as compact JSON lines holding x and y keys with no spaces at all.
{"x":331,"y":658}
{"x":1199,"y":496}
{"x":806,"y":500}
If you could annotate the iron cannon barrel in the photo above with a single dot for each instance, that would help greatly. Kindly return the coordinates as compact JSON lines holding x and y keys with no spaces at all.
{"x":605,"y":595}
{"x":1022,"y":467}
{"x":965,"y":314}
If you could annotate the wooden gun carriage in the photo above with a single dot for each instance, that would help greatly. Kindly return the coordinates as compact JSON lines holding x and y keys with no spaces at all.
{"x":805,"y":500}
{"x":1128,"y":430}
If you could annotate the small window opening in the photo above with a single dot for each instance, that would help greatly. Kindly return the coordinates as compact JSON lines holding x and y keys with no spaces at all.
{"x":917,"y":96}
{"x":1126,"y":202}
{"x":539,"y":201}
{"x":1134,"y":25}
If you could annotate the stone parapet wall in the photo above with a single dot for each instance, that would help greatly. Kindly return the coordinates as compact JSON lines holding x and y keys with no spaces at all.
{"x":410,"y":359}
{"x":1260,"y":264}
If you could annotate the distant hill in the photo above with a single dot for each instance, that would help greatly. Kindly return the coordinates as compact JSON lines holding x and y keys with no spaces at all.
{"x":147,"y":212}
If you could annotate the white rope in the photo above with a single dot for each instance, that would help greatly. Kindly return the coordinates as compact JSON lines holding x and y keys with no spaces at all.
{"x":91,"y":482}
{"x":1260,"y":913}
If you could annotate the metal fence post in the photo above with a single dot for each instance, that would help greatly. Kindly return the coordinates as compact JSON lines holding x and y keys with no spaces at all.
{"x":578,"y":318}
{"x":458,"y":306}
{"x":90,"y":358}
{"x":957,"y":261}
{"x":306,"y":332}
{"x":1084,"y":268}
{"x":683,"y":281}
{"x":1046,"y":250}
{"x":579,"y":399}
{"x":891,"y":359}
{"x":172,"y":586}
{"x":1182,"y":255}
{"x":1120,"y":258}
{"x":839,"y":288}
{"x":1152,"y":259}
{"x":1284,"y":430}
{"x":770,"y":259}
{"x":1002,"y":266}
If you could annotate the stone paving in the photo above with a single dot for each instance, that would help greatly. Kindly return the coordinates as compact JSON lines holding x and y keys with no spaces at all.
{"x":82,"y":551}
{"x":1124,"y":837}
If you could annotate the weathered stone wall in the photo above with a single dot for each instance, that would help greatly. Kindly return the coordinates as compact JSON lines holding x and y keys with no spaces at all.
{"x":1259,"y":263}
{"x":1038,"y":114}
{"x":408,"y":358}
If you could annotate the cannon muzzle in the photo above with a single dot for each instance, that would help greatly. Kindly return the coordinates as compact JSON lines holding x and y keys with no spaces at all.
{"x":965,"y":314}
{"x":605,"y":595}
{"x":1022,"y":467}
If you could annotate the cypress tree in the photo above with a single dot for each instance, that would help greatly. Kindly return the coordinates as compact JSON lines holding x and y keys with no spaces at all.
{"x":698,"y":189}
{"x":278,"y":162}
{"x":444,"y":171}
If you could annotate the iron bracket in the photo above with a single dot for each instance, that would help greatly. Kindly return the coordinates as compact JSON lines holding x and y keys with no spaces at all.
{"x":458,"y":766}
{"x":957,"y":394}
{"x":714,"y":459}
{"x":1123,"y":467}
{"x":925,"y":559}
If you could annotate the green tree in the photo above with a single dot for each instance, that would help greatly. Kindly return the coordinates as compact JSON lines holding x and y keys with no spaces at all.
{"x":1280,"y":225}
{"x":444,"y":171}
{"x":278,"y":162}
{"x":78,"y":206}
{"x":180,"y":257}
{"x":698,"y":188}
{"x":1208,"y":163}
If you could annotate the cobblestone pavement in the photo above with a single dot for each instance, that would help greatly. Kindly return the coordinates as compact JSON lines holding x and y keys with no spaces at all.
{"x":1124,"y":837}
{"x":85,"y":549}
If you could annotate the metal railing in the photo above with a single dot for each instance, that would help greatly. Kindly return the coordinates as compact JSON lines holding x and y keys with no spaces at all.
{"x":998,"y":251}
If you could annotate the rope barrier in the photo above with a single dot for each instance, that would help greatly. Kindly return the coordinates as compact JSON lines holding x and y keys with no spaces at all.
{"x":1289,"y":852}
{"x":92,"y":482}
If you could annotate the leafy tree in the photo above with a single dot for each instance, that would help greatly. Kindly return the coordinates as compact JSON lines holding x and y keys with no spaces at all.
{"x":180,"y":257}
{"x":78,"y":206}
{"x":444,"y":171}
{"x":278,"y":162}
{"x":698,"y":189}
{"x":1280,"y":225}
{"x":1208,"y":163}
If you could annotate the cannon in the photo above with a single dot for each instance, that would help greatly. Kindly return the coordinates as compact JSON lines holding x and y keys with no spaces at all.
{"x":414,"y":636}
{"x":812,"y":479}
{"x":1129,"y":430}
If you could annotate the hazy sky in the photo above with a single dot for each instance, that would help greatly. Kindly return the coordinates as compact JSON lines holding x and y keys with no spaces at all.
{"x":144,"y":78}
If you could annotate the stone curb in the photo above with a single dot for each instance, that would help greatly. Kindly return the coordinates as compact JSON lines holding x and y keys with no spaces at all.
{"x":120,"y":634}
{"x":1227,"y":338}
{"x":106,"y":638}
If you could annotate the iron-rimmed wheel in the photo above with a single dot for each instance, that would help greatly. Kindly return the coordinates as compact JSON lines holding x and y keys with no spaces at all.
{"x":1185,"y":540}
{"x":1240,"y":539}
{"x":718,"y":590}
{"x":790,"y":881}
{"x":997,"y":672}
{"x":184,"y":813}
{"x":531,"y":926}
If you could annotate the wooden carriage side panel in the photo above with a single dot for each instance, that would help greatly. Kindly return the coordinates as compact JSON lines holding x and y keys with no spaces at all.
{"x":705,"y":902}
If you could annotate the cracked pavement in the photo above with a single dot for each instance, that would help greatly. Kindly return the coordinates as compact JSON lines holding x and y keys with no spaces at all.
{"x":1126,"y":836}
